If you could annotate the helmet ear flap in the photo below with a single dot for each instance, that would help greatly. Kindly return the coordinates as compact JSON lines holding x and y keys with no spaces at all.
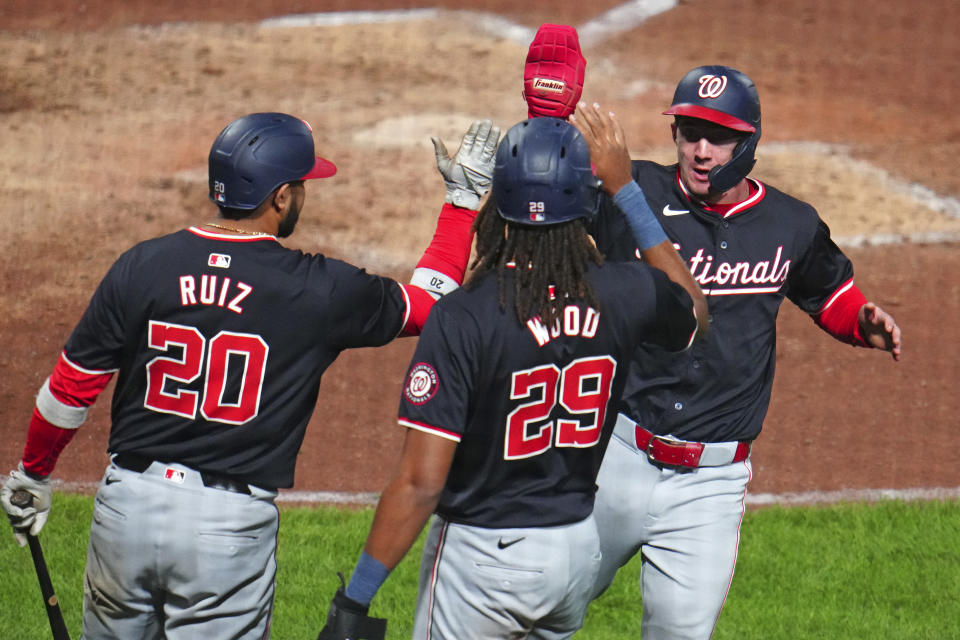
{"x":728,"y":175}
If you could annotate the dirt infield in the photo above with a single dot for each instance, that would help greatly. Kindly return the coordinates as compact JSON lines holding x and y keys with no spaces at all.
{"x":107,"y":127}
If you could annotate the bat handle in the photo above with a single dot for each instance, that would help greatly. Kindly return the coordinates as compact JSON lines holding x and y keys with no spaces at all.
{"x":21,"y":498}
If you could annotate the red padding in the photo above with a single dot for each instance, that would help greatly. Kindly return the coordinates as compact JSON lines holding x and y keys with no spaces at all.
{"x":840,"y":316}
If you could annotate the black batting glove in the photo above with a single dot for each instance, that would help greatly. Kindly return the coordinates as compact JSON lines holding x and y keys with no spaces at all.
{"x":347,"y":619}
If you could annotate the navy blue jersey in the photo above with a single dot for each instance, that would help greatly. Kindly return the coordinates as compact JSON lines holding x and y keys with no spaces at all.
{"x":767,"y":248}
{"x":220,"y":341}
{"x":531,"y":407}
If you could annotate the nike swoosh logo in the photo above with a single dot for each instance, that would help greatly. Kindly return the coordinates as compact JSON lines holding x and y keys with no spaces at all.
{"x":503,"y":545}
{"x":667,"y":211}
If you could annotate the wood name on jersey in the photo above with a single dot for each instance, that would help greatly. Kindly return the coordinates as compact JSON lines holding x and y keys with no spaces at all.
{"x":213,"y":291}
{"x":574,"y":322}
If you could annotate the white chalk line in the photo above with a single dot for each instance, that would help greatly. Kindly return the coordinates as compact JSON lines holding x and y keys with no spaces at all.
{"x":852,"y":495}
{"x":760,"y":499}
{"x":624,"y":17}
{"x":805,"y":498}
{"x":883,"y":239}
{"x":343,"y":18}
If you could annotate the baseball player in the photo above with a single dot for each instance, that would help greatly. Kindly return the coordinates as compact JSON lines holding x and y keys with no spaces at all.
{"x":508,"y":400}
{"x":673,"y":482}
{"x":218,"y":336}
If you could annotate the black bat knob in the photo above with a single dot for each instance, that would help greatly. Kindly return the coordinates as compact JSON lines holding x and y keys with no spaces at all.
{"x":21,"y":498}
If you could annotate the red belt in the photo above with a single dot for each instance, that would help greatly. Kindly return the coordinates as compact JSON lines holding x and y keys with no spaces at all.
{"x":680,"y":453}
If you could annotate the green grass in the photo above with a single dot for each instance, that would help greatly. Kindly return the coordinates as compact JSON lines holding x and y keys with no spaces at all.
{"x":887,"y":571}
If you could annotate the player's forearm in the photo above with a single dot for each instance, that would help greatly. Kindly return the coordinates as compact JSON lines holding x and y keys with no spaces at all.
{"x":403,"y":511}
{"x":444,"y":261}
{"x":45,"y":442}
{"x":442,"y":266}
{"x":405,"y":506}
{"x":400,"y":516}
{"x":61,"y":407}
{"x":664,"y":257}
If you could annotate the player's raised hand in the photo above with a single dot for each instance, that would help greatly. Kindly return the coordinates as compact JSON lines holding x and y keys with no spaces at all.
{"x":607,"y":143}
{"x":469,"y":174}
{"x":880,"y":330}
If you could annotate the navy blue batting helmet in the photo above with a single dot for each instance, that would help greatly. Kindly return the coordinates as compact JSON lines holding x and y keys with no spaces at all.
{"x":727,"y":97}
{"x":259,"y":152}
{"x":543,"y":174}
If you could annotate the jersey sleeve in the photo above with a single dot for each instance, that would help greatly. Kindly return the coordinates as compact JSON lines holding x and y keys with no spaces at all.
{"x":368,"y":310}
{"x":374,"y":304}
{"x":85,"y":367}
{"x":611,"y":233}
{"x":437,"y":387}
{"x":97,"y":341}
{"x":674,"y":323}
{"x":820,"y":274}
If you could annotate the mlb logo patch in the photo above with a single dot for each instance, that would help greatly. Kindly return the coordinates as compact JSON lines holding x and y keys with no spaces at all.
{"x":219,"y":260}
{"x":220,"y":197}
{"x":173,"y":475}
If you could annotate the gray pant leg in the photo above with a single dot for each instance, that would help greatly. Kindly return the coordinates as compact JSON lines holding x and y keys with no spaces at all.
{"x":537,"y":587}
{"x":119,"y":595}
{"x":625,"y":485}
{"x":691,"y":551}
{"x":178,"y":560}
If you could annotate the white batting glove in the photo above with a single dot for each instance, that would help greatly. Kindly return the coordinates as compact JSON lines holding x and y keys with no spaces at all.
{"x":468,"y":175}
{"x":29,"y":519}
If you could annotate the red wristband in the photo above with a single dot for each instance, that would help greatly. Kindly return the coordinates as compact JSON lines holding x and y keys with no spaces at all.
{"x":840,"y":316}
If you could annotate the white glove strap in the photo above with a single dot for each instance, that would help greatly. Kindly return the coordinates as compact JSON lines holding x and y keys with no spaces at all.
{"x":57,"y":413}
{"x":433,"y":282}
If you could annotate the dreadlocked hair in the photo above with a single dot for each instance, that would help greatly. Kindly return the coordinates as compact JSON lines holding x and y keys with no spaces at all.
{"x":549,"y":263}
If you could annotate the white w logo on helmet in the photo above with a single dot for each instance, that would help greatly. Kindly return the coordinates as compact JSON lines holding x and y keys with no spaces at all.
{"x":712,"y":86}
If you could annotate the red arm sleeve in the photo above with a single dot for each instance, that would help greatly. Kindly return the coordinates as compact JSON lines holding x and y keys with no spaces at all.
{"x":444,"y":262}
{"x":62,"y":405}
{"x":441,"y":267}
{"x":419,"y":303}
{"x":839,"y":316}
{"x":44,"y":444}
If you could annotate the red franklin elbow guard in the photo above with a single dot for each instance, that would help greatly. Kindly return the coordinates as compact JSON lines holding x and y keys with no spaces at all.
{"x":554,"y":71}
